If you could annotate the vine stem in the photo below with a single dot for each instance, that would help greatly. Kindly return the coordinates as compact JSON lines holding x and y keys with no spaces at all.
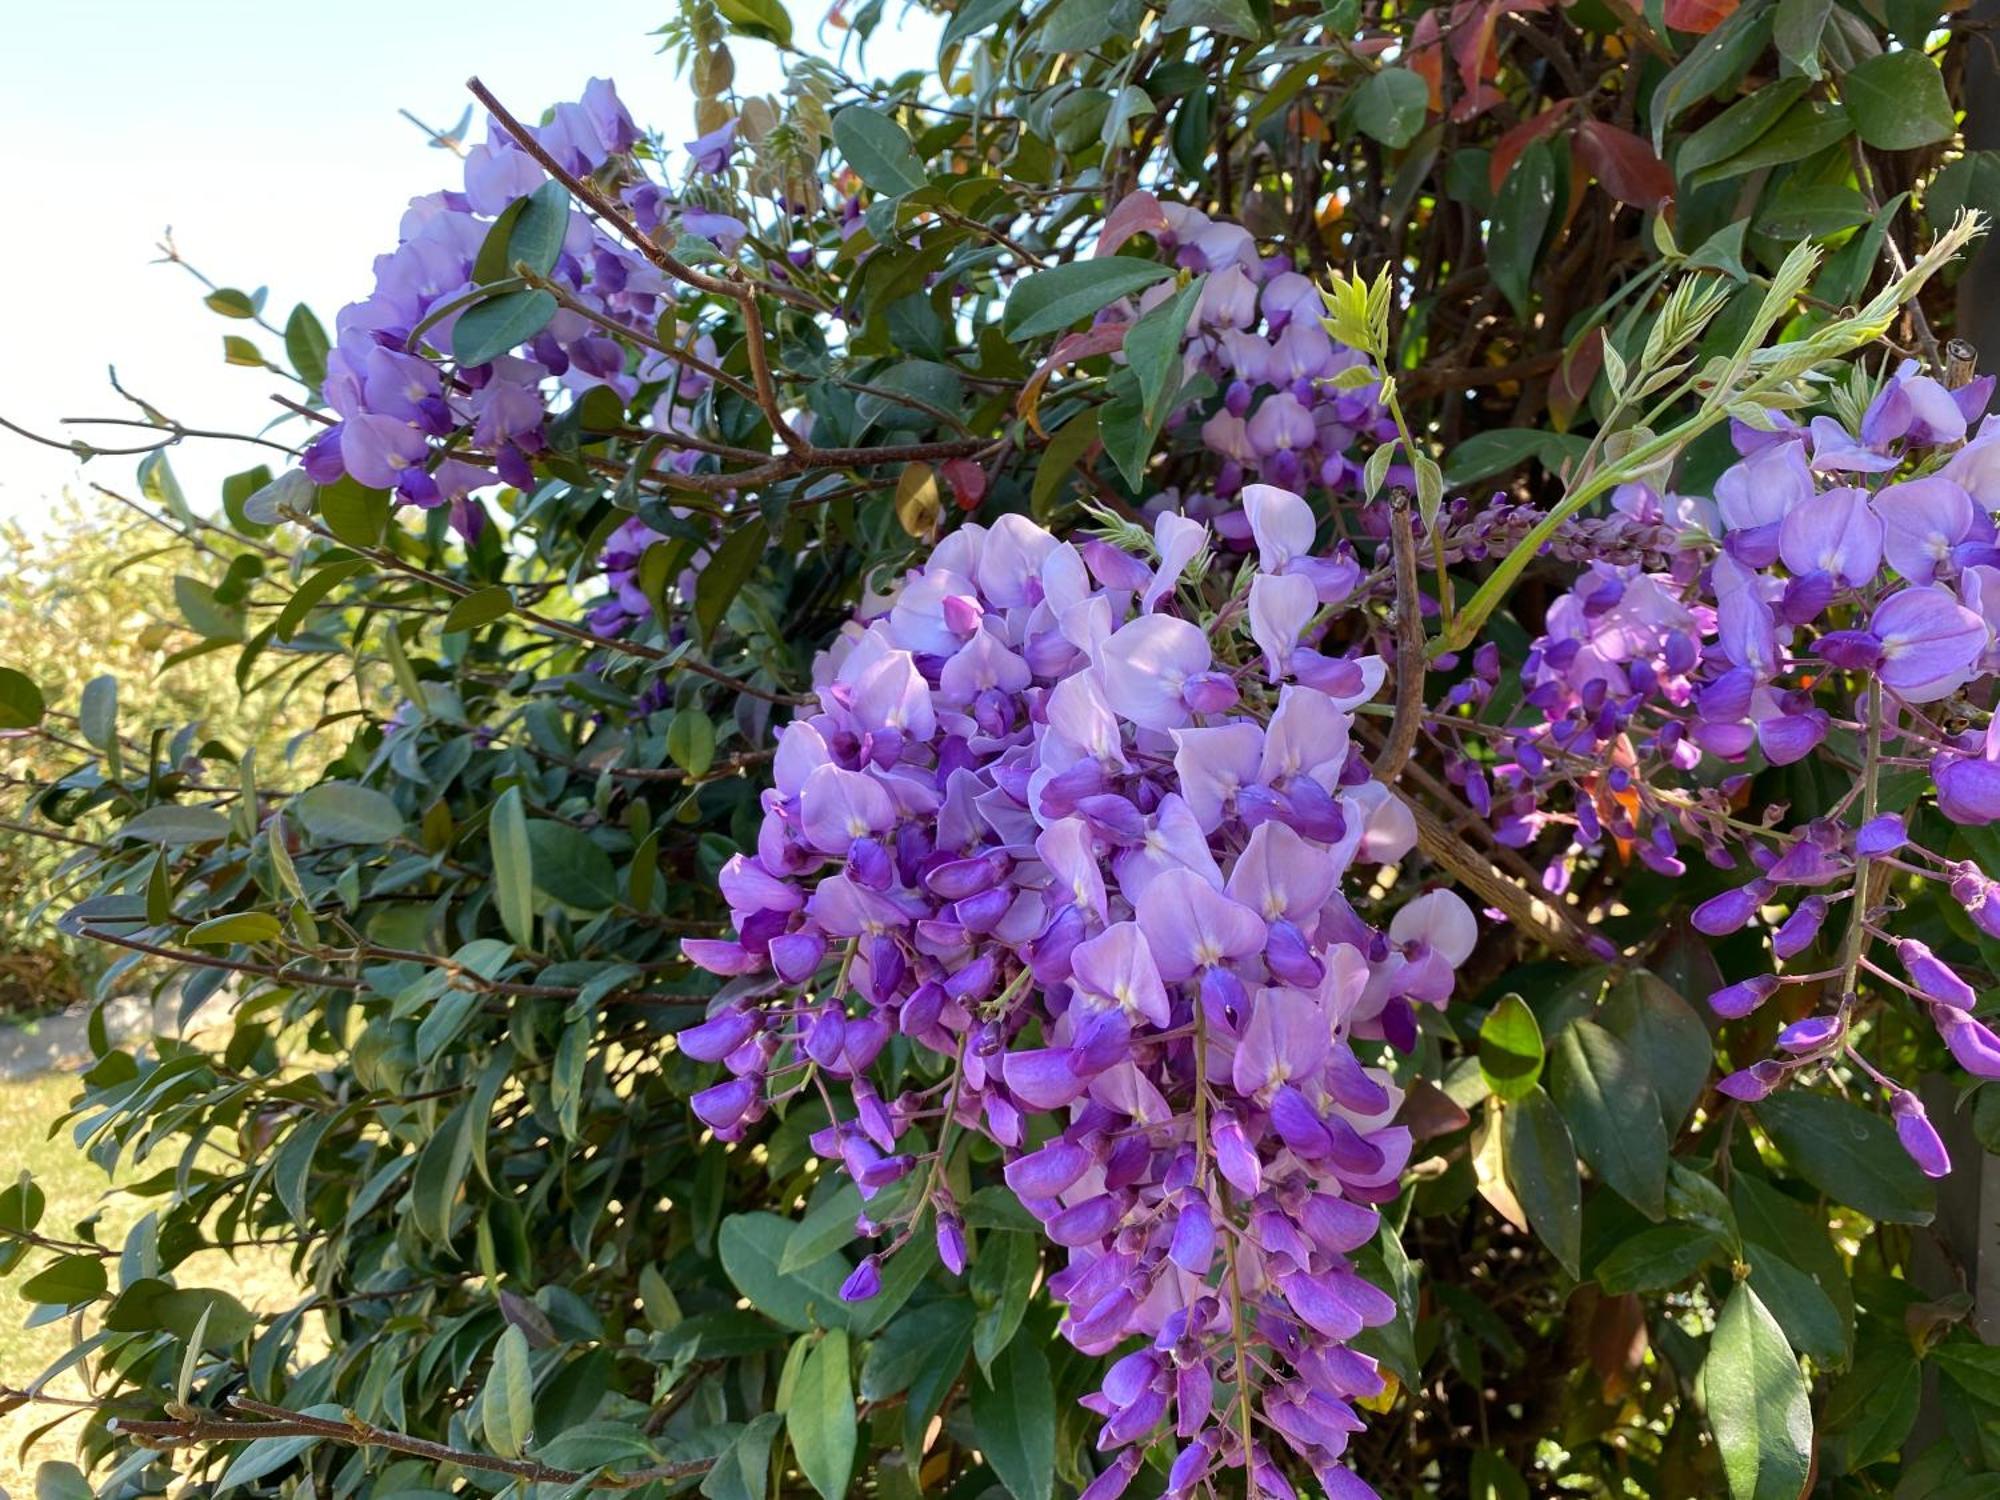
{"x":1864,"y":867}
{"x":202,"y":1426}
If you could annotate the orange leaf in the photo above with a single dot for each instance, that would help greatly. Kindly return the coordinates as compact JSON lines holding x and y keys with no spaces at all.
{"x":1698,"y":16}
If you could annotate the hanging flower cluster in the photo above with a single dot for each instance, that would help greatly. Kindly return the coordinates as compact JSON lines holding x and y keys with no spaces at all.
{"x":1837,"y":597}
{"x":433,"y":430}
{"x":1257,"y":335}
{"x":1069,"y":821}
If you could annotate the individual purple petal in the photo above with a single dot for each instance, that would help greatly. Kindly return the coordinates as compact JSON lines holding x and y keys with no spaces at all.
{"x":1281,"y":522}
{"x":1146,"y":663}
{"x":1922,"y":520}
{"x":1118,"y":965}
{"x":1191,"y":926}
{"x":1837,"y":534}
{"x":725,"y":1104}
{"x":1280,"y":609}
{"x":1883,"y":835}
{"x":1048,"y":1171}
{"x":1177,"y":540}
{"x":1969,"y":791}
{"x":1930,"y":643}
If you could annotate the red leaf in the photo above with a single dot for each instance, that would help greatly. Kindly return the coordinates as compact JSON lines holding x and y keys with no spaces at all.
{"x":1626,"y":165}
{"x":1574,"y":377}
{"x":1507,"y":150}
{"x":1698,"y":16}
{"x":967,"y":481}
{"x":1136,"y":213}
{"x":1102,"y":339}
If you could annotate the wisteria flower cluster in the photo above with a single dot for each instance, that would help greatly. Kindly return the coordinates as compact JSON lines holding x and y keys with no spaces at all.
{"x":1839,"y":596}
{"x":434,"y":431}
{"x":1258,"y":335}
{"x":1069,"y":825}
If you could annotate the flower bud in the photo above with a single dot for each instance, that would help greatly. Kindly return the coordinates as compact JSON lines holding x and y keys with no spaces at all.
{"x":1919,"y":1136}
{"x":1735,"y":1001}
{"x":864,"y":1282}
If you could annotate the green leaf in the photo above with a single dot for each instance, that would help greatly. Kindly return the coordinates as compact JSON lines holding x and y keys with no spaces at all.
{"x":537,"y":236}
{"x":691,"y":741}
{"x":205,"y":615}
{"x":1391,"y":105}
{"x":1224,"y":17}
{"x":311,"y":591}
{"x":570,"y":867}
{"x":1540,"y":1162}
{"x":507,"y":1403}
{"x":821,"y":1421}
{"x":344,"y":812}
{"x":826,"y":1229}
{"x":55,"y":1480}
{"x":173,"y":825}
{"x":1738,"y":126}
{"x":1613,"y":1114}
{"x":1001,"y":1279}
{"x":1655,"y":1259}
{"x":1756,"y":1401}
{"x":1712,"y":64}
{"x":513,"y":868}
{"x":157,"y":484}
{"x":725,"y":573}
{"x":744,"y":1472}
{"x":1521,"y":213}
{"x":1809,"y":126}
{"x":1871,"y":1411}
{"x":1849,"y":1153}
{"x":306,"y":346}
{"x":1973,"y":1368}
{"x":22,"y":705}
{"x":1153,"y":349}
{"x":480,"y":607}
{"x":767,"y":20}
{"x":752,"y":1246}
{"x":1898,"y":102}
{"x":97,"y":713}
{"x":67,"y":1280}
{"x":1487,"y":453}
{"x":237,"y":927}
{"x":1058,"y":462}
{"x":1657,"y":1025}
{"x":1014,"y":1419}
{"x":1510,"y":1049}
{"x":1811,"y":1322}
{"x":879,"y":151}
{"x":355,"y":514}
{"x":499,"y":325}
{"x":1051,"y":300}
{"x":230,"y":303}
{"x":1796,"y":30}
{"x":237,"y":350}
{"x":440,"y":1175}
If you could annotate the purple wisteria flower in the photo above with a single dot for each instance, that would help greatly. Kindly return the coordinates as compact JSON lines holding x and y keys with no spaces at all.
{"x":1030,"y":832}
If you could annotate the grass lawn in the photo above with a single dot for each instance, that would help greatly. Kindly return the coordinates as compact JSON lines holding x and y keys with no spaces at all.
{"x":76,"y":1188}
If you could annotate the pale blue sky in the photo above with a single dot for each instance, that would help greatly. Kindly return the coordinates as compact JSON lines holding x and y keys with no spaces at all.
{"x":267,"y":135}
